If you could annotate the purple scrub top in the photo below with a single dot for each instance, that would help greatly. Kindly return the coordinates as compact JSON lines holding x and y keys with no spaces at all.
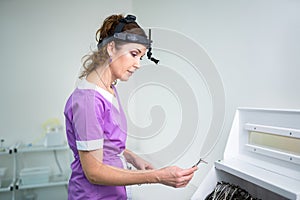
{"x":95,"y":120}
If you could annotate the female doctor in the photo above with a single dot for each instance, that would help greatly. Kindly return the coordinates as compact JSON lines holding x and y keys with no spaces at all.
{"x":96,"y":125}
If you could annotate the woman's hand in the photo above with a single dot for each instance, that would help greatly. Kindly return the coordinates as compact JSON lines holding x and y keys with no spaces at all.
{"x":175,"y":177}
{"x":141,"y":164}
{"x":138,"y":162}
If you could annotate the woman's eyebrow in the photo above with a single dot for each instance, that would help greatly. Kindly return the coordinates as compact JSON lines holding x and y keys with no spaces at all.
{"x":139,"y":51}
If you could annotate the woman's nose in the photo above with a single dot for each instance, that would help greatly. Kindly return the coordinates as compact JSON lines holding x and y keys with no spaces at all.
{"x":137,"y":64}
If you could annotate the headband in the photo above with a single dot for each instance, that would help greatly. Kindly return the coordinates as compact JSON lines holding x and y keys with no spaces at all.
{"x":129,"y":37}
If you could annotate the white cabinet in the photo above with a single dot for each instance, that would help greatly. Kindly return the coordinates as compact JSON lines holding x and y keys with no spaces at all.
{"x":44,"y":170}
{"x":262,"y":155}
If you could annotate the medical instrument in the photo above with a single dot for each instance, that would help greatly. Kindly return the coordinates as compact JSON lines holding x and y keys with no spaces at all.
{"x":224,"y":191}
{"x":200,"y":161}
{"x":149,"y":53}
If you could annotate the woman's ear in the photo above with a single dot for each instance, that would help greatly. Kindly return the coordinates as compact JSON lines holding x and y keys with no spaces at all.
{"x":111,"y":48}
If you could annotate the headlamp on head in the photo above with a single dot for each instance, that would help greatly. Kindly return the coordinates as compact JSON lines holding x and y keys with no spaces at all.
{"x":129,"y":37}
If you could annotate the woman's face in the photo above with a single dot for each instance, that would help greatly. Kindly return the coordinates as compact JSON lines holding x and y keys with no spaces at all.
{"x":126,"y":60}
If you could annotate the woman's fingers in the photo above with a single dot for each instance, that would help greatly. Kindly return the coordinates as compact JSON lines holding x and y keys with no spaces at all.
{"x":187,"y":175}
{"x":177,"y":177}
{"x":186,"y":172}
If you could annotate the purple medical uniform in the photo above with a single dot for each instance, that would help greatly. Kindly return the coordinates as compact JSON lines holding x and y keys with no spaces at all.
{"x":95,"y":120}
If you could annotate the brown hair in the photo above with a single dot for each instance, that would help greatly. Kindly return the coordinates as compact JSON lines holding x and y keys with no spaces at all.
{"x":99,"y":57}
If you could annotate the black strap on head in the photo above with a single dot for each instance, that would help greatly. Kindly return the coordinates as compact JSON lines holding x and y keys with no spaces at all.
{"x":128,"y":19}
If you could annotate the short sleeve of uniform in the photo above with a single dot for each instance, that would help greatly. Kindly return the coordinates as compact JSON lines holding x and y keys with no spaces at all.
{"x":87,"y":120}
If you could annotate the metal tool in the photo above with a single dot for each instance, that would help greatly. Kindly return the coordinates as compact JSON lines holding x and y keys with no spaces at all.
{"x":200,"y":161}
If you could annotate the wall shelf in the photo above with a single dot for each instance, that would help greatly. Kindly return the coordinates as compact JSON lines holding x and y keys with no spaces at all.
{"x":6,"y":186}
{"x":19,"y":186}
{"x":14,"y":184}
{"x":40,"y":148}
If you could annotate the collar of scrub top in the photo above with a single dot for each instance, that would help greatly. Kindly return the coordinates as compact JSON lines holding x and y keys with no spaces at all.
{"x":129,"y":37}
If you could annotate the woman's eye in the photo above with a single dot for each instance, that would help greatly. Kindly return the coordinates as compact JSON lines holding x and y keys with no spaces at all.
{"x":133,"y":54}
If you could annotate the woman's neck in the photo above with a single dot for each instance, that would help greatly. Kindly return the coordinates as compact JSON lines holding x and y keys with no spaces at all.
{"x":102,"y":78}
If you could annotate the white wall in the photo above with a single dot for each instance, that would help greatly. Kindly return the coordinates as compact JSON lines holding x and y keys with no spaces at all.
{"x":254,"y":46}
{"x":42,"y":43}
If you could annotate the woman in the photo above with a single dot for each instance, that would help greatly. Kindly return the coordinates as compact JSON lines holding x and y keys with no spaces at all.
{"x":96,"y":125}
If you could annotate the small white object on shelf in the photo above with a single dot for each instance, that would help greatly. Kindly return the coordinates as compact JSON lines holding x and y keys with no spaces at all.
{"x":54,"y":139}
{"x":35,"y":175}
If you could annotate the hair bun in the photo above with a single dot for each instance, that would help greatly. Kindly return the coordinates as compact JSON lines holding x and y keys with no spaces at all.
{"x":108,"y":26}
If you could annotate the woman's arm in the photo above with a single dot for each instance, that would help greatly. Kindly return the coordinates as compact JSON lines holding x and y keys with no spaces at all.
{"x":136,"y":161}
{"x":99,"y":173}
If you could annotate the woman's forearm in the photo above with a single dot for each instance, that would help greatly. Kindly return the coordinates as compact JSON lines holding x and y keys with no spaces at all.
{"x":99,"y":173}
